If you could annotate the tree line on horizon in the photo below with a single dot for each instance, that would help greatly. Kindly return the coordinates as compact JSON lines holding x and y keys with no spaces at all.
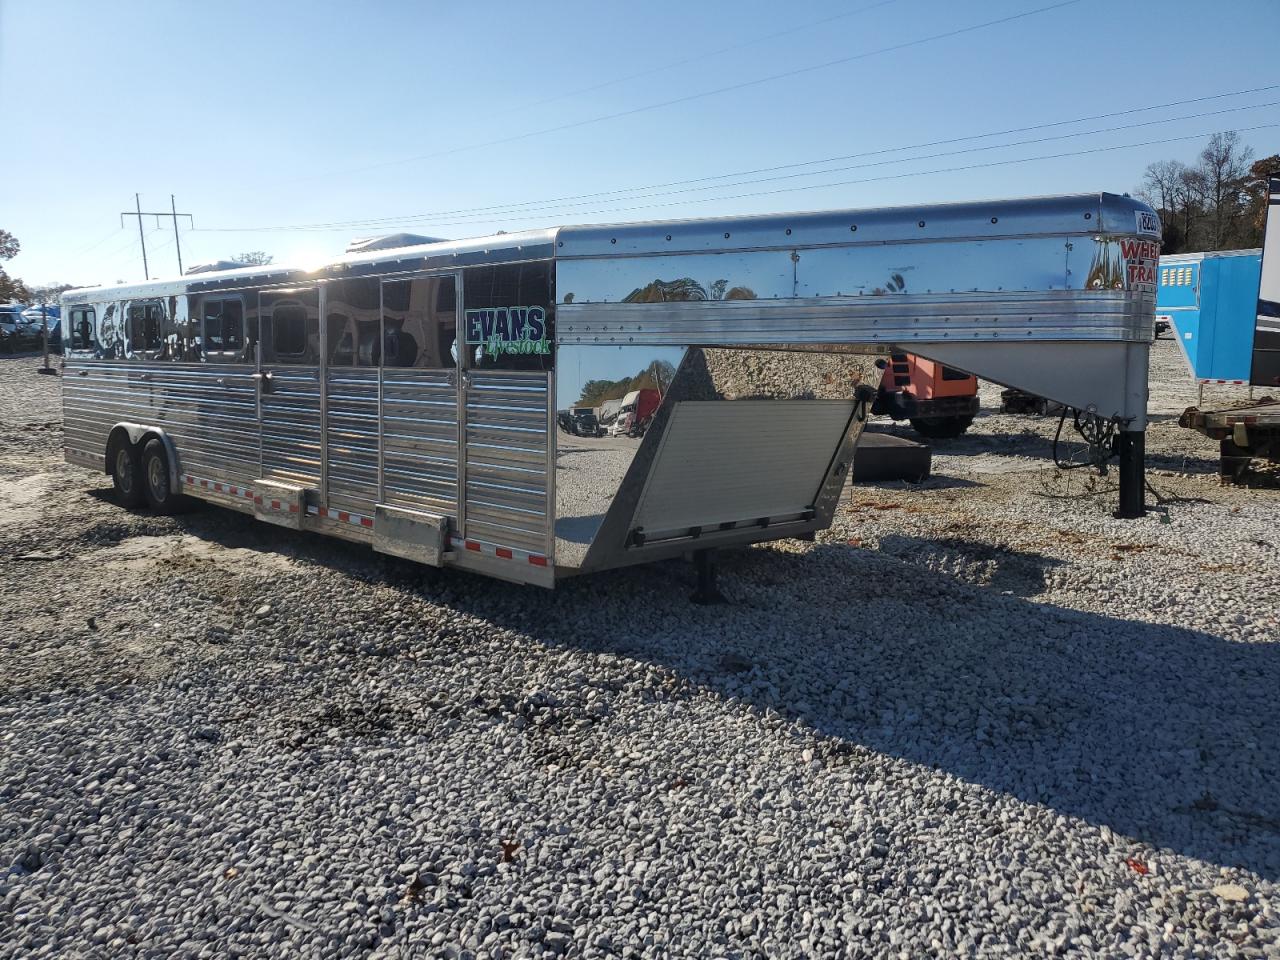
{"x":657,"y":375}
{"x":1217,"y":203}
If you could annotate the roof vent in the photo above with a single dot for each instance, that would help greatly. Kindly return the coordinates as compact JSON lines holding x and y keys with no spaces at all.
{"x":390,"y":242}
{"x":216,"y":266}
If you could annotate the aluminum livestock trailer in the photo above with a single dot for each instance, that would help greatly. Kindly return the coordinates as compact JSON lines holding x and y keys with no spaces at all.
{"x":407,"y":397}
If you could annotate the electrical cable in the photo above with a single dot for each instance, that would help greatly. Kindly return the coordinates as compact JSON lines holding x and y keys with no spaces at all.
{"x":511,"y":208}
{"x":634,"y":192}
{"x":929,"y":156}
{"x":798,"y":71}
{"x":93,"y":246}
{"x":701,"y":57}
{"x":837,"y":183}
{"x":1099,"y":434}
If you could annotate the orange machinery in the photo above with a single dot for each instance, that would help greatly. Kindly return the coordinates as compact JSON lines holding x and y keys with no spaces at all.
{"x":940,"y":401}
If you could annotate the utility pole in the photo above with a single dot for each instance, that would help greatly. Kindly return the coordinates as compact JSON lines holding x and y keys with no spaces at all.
{"x":140,"y":213}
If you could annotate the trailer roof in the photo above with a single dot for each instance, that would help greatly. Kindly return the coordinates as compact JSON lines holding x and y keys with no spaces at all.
{"x":1208,"y":255}
{"x":444,"y":254}
{"x":1081,"y":214}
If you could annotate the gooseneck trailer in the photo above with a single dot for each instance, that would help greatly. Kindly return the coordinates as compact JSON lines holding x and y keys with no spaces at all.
{"x":407,"y":397}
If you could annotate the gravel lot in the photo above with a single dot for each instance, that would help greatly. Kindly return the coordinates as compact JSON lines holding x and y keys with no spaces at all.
{"x":979,"y":717}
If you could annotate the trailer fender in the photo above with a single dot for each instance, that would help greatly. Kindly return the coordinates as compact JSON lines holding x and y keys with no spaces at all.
{"x":137,"y":434}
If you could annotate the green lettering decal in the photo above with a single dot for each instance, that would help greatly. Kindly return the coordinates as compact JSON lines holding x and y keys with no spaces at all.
{"x":508,"y":330}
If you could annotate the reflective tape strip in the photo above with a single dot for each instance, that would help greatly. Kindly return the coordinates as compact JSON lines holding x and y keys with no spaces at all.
{"x":501,"y":553}
{"x":229,"y":489}
{"x":277,"y":505}
{"x":1238,"y":383}
{"x":342,"y":516}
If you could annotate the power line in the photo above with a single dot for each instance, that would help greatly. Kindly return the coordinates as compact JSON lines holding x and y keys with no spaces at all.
{"x":798,"y":71}
{"x":701,"y":56}
{"x":934,"y":156}
{"x":550,"y":206}
{"x":502,"y":208}
{"x":922,"y":173}
{"x":115,"y":232}
{"x":124,"y":249}
{"x":914,"y":173}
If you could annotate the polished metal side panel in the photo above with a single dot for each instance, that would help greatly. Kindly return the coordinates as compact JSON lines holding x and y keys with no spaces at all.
{"x":769,"y":433}
{"x":290,"y":412}
{"x":420,"y":439}
{"x":739,"y":461}
{"x":207,"y":411}
{"x":506,"y":459}
{"x":351,"y":429}
{"x":854,"y":270}
{"x":590,"y":470}
{"x":900,"y":320}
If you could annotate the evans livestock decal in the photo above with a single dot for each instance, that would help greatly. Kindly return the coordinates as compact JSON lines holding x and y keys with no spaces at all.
{"x":1141,"y":258}
{"x":508,"y":330}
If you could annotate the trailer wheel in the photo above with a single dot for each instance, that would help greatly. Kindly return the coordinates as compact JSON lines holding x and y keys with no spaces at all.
{"x":155,"y":476}
{"x":941,"y":428}
{"x":126,"y":474}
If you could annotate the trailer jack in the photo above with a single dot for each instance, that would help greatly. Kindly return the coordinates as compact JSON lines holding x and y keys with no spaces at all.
{"x":707,"y":593}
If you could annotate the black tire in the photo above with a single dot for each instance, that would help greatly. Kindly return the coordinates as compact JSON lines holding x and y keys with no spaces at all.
{"x":941,"y":428}
{"x":126,"y":474}
{"x":155,"y":478}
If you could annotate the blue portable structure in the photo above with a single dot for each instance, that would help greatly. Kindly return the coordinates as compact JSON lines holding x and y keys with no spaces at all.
{"x":1211,"y":301}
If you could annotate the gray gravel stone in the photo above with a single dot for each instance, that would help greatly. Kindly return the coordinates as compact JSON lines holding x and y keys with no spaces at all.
{"x":977,"y":717}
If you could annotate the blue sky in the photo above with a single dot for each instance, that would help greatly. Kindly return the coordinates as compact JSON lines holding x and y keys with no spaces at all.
{"x":269,"y":114}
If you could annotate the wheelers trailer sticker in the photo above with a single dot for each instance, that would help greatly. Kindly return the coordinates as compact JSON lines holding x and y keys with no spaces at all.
{"x":1141,"y":258}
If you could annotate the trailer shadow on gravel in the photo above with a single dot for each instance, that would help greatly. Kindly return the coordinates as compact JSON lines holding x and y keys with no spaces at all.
{"x":1161,"y":733}
{"x":937,"y":652}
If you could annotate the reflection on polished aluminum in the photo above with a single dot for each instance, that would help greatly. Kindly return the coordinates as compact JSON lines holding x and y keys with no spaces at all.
{"x":745,"y":446}
{"x":688,"y":384}
{"x":589,"y":470}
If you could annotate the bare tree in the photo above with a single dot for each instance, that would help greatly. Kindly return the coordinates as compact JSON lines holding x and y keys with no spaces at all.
{"x":1171,"y":187}
{"x":1223,"y":171}
{"x":1213,"y":205}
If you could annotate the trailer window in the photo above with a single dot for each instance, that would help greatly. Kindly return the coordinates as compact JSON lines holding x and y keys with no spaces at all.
{"x":83,"y":323}
{"x":289,"y":329}
{"x":508,"y":323}
{"x":145,"y":323}
{"x":351,"y":328}
{"x":222,"y":319}
{"x":419,"y":322}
